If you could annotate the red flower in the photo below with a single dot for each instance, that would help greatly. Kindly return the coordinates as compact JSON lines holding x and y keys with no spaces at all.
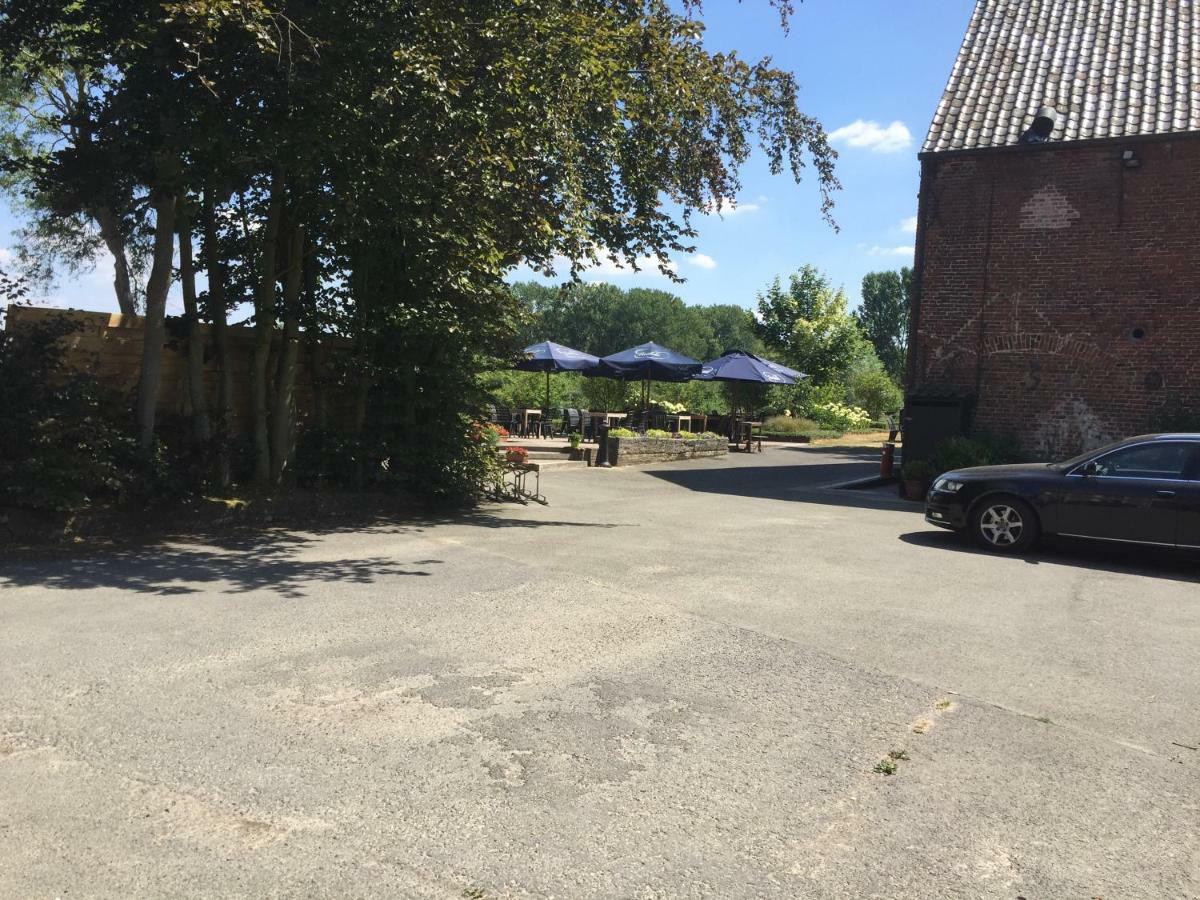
{"x":517,"y":455}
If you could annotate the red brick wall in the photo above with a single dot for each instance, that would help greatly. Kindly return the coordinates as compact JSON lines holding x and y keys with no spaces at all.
{"x":1036,"y":266}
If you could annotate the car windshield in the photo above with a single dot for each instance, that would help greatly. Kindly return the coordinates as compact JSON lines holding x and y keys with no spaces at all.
{"x":1084,"y":457}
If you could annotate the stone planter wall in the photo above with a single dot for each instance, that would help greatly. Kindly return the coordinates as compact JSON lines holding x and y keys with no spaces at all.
{"x":636,"y":451}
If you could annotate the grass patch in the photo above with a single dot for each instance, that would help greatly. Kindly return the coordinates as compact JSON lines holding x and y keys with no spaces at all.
{"x":885,"y":766}
{"x":820,"y":434}
{"x":942,"y":704}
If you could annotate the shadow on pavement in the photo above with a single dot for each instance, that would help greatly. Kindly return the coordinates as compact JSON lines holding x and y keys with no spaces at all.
{"x":245,"y":559}
{"x":794,"y":478}
{"x":1127,"y":559}
{"x":175,"y":570}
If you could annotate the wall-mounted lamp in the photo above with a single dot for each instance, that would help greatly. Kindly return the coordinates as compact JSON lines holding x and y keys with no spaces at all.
{"x":1129,"y":159}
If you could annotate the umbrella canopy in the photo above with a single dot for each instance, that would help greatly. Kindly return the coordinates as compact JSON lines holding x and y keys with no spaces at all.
{"x":738,"y":365}
{"x":648,"y":362}
{"x":551,"y":357}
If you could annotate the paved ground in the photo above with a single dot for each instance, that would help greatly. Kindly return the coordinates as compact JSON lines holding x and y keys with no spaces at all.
{"x":668,"y":683}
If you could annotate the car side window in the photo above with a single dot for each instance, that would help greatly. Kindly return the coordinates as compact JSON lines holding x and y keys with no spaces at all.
{"x":1163,"y":460}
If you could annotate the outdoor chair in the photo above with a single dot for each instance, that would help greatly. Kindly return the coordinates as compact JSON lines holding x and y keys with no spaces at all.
{"x":893,"y":428}
{"x":546,"y":424}
{"x":558,"y":418}
{"x":516,"y":423}
{"x":572,"y":422}
{"x":587,"y":427}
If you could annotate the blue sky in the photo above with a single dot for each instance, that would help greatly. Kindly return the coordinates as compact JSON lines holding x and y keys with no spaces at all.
{"x":863,"y":67}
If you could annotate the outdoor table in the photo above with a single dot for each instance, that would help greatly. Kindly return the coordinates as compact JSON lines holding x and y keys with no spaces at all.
{"x":746,"y":435}
{"x":679,"y":420}
{"x":525,"y":414}
{"x":610,"y":417}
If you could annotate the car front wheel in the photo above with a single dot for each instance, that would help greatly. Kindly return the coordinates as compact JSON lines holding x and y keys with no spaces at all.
{"x":1004,"y":524}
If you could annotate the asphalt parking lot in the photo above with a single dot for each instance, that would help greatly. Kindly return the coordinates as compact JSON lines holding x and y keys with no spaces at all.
{"x":682,"y":681}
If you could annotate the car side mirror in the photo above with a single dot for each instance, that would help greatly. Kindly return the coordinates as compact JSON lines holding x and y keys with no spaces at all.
{"x":1091,"y":469}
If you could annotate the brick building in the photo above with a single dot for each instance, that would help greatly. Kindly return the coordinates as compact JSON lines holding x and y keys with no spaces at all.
{"x":1057,"y":274}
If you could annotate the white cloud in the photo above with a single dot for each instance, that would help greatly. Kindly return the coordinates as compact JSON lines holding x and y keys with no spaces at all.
{"x":702,"y":261}
{"x":647,"y":265}
{"x":909,"y":225}
{"x":874,"y":137}
{"x":906,"y":250}
{"x":729,"y":206}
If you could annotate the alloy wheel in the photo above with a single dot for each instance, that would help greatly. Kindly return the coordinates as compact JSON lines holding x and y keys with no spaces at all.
{"x":1001,"y":525}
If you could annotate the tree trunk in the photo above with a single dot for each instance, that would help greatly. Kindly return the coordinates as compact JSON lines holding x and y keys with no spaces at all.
{"x":159,"y":283}
{"x":285,"y":376}
{"x":114,"y":240}
{"x":201,"y":431}
{"x":316,"y":352}
{"x":217,"y":315}
{"x":264,"y":330}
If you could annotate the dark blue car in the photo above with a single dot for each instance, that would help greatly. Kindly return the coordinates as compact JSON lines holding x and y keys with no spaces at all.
{"x":1143,"y":490}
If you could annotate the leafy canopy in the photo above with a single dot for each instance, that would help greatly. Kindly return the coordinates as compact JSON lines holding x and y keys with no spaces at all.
{"x":810,"y":325}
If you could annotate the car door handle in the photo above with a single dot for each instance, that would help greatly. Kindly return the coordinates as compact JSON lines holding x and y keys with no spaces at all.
{"x":1165,"y":494}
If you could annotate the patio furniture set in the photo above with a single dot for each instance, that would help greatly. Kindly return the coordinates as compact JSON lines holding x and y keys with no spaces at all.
{"x":645,"y":363}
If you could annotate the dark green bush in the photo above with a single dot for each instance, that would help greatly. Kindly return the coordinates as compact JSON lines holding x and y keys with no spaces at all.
{"x":62,"y":446}
{"x":979,"y":450}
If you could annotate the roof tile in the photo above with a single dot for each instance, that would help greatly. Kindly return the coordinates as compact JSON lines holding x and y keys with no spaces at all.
{"x":1109,"y":67}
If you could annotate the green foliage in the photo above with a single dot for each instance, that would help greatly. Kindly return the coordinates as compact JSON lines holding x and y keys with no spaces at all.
{"x":808,"y":322}
{"x":659,"y":433}
{"x":918,"y":470}
{"x":621,"y":433}
{"x":840,"y":417}
{"x":978,"y":450}
{"x":790,"y":425}
{"x":883,"y":317}
{"x":874,"y":391}
{"x":608,"y":395}
{"x":60,"y":448}
{"x":376,"y":169}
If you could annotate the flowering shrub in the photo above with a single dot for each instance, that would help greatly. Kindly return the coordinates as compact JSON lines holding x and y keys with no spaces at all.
{"x":840,"y":417}
{"x":487,"y":433}
{"x":517,"y":456}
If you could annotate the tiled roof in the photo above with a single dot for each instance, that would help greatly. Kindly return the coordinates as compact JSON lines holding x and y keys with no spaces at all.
{"x":1110,"y":68}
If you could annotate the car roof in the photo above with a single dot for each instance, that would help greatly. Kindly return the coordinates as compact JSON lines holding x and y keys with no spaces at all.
{"x":1165,"y":436}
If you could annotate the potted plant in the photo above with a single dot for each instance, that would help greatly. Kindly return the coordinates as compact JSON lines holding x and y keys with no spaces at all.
{"x":516,"y":456}
{"x":575,"y":439}
{"x":915,"y":477}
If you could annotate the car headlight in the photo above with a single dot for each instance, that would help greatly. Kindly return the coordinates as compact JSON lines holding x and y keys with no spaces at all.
{"x":945,"y":484}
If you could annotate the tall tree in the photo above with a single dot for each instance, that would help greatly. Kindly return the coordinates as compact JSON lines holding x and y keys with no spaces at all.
{"x":422,"y":152}
{"x":808,"y":321}
{"x":883,"y":317}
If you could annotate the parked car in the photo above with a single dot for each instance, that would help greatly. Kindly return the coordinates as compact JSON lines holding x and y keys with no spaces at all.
{"x":1143,"y":490}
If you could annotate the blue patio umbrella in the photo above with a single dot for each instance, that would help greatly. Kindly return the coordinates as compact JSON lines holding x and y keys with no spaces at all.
{"x":648,"y":362}
{"x":551,"y":357}
{"x":738,"y":365}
